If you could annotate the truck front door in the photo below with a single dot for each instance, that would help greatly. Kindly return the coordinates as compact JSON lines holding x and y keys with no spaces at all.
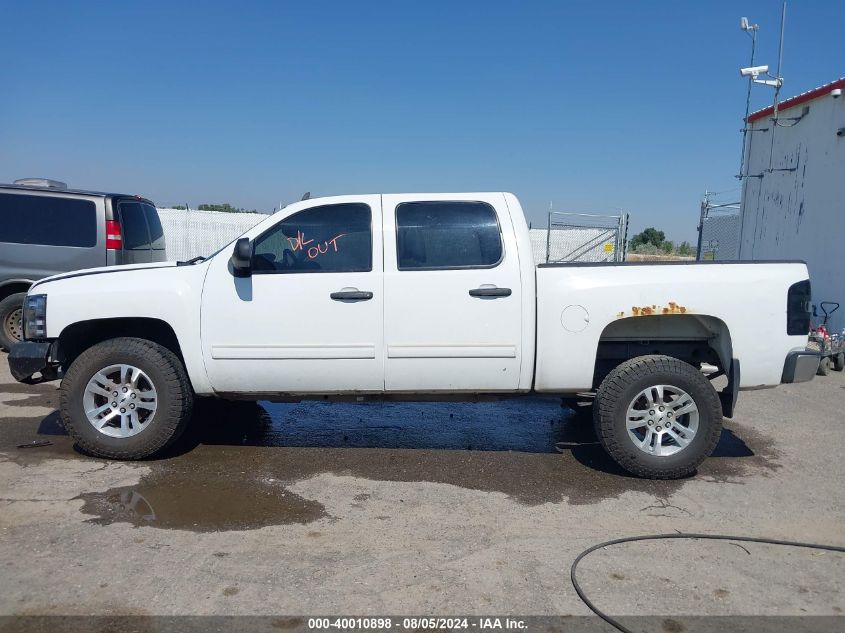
{"x":452,"y":294}
{"x":310,"y":317}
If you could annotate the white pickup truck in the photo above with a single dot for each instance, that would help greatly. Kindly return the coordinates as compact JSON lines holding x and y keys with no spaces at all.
{"x":415,"y":296}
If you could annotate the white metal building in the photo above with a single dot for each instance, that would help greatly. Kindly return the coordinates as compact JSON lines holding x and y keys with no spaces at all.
{"x":793,"y":195}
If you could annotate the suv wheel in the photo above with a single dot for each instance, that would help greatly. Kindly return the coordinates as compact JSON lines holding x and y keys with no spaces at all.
{"x":658,"y":417}
{"x":11,"y":320}
{"x":126,"y":398}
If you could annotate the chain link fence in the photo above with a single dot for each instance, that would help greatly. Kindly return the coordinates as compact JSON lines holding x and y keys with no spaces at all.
{"x":718,"y":231}
{"x":581,"y":237}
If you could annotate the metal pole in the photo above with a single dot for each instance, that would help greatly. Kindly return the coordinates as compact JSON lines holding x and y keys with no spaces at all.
{"x":620,"y":227}
{"x":704,"y":205}
{"x":747,"y":104}
{"x":549,"y":238}
{"x":625,"y":237}
{"x":742,"y":198}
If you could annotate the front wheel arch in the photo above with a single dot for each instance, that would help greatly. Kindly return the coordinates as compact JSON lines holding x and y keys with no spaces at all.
{"x":77,"y":337}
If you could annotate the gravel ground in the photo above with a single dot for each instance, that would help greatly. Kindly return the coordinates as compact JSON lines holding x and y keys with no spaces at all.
{"x":434,"y":508}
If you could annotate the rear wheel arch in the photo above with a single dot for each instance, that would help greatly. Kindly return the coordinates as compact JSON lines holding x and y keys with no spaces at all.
{"x":692,"y":338}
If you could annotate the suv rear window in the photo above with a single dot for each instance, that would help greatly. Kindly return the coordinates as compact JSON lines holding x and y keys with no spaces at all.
{"x":141,"y":226}
{"x":154,"y":224}
{"x":47,"y":220}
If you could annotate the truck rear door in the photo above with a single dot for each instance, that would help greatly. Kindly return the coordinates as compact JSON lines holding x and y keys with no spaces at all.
{"x":453,"y":295}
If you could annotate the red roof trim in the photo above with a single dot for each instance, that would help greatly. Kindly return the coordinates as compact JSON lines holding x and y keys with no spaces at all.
{"x":804,"y":97}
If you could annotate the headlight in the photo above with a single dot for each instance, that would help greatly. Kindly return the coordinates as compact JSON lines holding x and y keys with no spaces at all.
{"x":35,"y":317}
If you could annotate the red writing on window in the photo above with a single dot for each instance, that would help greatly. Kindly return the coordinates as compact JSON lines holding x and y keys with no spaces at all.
{"x":299,"y":243}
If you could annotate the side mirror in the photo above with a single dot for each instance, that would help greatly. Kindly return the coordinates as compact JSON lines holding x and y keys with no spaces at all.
{"x":242,"y":257}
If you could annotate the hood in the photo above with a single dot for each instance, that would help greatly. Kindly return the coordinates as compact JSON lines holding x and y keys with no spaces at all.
{"x":104,"y":270}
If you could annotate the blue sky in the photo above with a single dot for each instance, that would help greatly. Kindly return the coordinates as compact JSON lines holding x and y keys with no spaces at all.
{"x":594,"y":106}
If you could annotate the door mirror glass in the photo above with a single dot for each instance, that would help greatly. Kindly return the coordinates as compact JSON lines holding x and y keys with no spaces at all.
{"x":242,"y":257}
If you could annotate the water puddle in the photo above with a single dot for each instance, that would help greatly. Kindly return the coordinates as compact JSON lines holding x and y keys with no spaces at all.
{"x":201,"y":504}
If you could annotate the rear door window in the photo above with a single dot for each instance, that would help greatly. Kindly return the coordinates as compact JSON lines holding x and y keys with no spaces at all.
{"x":47,"y":220}
{"x":446,"y":235}
{"x":133,"y":224}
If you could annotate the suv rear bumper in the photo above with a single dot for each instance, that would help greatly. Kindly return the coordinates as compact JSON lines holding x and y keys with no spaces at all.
{"x":30,"y":357}
{"x":800,"y":366}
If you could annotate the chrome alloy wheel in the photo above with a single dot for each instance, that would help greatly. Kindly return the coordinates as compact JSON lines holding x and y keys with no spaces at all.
{"x":120,"y":401}
{"x":662,"y":420}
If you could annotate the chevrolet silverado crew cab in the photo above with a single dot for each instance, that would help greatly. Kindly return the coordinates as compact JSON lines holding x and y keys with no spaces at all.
{"x":415,"y":296}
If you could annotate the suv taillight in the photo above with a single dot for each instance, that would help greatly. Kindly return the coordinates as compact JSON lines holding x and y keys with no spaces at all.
{"x":113,"y":237}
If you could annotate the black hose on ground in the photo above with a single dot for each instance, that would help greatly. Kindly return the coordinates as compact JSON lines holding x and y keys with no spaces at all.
{"x":681,"y":535}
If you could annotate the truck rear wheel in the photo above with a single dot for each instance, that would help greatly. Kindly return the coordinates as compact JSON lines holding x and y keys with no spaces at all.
{"x":839,"y":361}
{"x":126,"y":398}
{"x":657,"y":417}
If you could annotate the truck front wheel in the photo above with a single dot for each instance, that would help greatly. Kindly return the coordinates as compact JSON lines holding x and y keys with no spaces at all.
{"x":126,"y":398}
{"x":657,"y":417}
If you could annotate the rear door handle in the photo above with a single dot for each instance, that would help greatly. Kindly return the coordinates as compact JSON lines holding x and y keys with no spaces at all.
{"x":490,"y":292}
{"x":352,"y":295}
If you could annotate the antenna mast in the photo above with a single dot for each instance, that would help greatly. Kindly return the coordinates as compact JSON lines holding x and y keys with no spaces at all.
{"x":751,"y":30}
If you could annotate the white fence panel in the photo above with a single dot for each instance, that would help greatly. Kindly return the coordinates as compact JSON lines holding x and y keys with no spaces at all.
{"x":191,"y":233}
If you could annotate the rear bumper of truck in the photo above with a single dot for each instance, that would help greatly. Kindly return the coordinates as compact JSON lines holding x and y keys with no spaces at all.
{"x":800,"y":366}
{"x":32,"y":357}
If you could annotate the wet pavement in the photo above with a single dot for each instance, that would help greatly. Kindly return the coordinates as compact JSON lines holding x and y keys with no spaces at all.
{"x":469,"y":481}
{"x":232,"y":469}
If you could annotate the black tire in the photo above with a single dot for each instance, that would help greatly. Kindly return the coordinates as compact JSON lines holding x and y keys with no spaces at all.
{"x":839,"y":361}
{"x":167,"y":374}
{"x":11,"y":332}
{"x":619,"y":389}
{"x":824,"y":367}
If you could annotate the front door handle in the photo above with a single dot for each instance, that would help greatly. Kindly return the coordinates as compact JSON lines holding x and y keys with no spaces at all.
{"x":490,"y":292}
{"x":352,"y":295}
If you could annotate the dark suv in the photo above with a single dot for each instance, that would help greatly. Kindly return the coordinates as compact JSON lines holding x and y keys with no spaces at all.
{"x":46,"y":228}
